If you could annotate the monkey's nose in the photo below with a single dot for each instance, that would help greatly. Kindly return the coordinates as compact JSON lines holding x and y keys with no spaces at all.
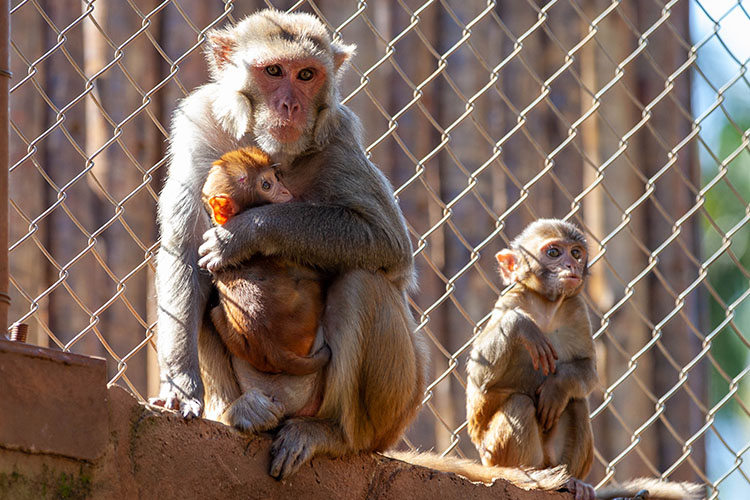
{"x":291,"y":109}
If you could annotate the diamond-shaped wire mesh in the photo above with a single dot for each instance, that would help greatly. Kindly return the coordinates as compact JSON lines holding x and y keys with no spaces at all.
{"x":631,"y":118}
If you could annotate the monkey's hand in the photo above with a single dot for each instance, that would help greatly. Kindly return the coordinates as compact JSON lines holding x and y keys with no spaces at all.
{"x":187,"y":407}
{"x":552,"y":401}
{"x":254,"y":411}
{"x":540,"y":349}
{"x":216,"y":250}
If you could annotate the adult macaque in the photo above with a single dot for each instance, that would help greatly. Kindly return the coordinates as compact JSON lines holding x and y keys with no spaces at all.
{"x":273,"y":84}
{"x":274,"y":80}
{"x":533,"y":365}
{"x":269,"y":308}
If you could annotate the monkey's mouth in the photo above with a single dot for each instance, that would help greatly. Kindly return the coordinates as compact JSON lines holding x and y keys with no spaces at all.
{"x":286,"y":132}
{"x":570,"y":280}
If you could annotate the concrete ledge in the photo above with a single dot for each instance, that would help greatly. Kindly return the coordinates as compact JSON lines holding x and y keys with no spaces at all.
{"x":148,"y":453}
{"x":52,"y":402}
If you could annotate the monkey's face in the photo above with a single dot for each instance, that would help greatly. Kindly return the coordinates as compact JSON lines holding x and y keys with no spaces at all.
{"x":288,"y":94}
{"x":560,"y":265}
{"x":269,"y":187}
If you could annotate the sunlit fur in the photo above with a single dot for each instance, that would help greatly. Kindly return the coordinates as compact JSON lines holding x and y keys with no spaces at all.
{"x":269,"y":308}
{"x":518,"y":415}
{"x":509,"y":422}
{"x":345,"y":223}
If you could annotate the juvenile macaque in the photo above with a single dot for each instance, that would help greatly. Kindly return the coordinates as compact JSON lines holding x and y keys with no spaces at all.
{"x":269,"y":308}
{"x":533,"y":365}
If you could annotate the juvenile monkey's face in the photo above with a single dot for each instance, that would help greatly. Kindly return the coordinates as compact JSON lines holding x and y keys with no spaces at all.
{"x":562,"y":265}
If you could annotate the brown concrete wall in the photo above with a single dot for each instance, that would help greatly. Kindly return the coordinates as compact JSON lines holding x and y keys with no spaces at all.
{"x":64,"y":435}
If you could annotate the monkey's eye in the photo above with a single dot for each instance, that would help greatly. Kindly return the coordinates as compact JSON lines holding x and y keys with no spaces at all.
{"x":553,"y":252}
{"x":274,"y":70}
{"x":576,"y":253}
{"x":265,"y":185}
{"x":305,"y":74}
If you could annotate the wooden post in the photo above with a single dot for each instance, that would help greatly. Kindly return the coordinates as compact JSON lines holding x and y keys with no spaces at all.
{"x":4,"y":156}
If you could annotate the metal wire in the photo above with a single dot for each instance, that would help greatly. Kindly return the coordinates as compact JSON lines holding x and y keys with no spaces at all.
{"x":485,"y":115}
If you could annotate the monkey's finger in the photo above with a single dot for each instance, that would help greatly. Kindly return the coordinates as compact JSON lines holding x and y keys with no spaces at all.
{"x":534,"y":355}
{"x":550,"y":356}
{"x":547,"y":363}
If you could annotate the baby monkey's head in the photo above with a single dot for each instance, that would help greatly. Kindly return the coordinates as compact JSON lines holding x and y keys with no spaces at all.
{"x":242,"y":179}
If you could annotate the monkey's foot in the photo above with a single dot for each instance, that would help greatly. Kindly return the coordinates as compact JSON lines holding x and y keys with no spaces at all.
{"x":581,"y":490}
{"x":299,"y":440}
{"x":188,"y":408}
{"x":292,"y":448}
{"x":254,"y":411}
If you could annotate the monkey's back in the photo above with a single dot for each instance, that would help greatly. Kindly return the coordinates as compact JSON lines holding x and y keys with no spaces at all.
{"x":270,"y":305}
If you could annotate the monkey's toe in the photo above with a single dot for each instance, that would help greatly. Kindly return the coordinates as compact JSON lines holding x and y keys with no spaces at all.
{"x":288,"y":453}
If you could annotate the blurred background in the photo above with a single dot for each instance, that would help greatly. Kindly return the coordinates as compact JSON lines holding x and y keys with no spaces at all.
{"x":631,"y":118}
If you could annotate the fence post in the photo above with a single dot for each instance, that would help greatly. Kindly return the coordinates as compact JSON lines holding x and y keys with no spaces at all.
{"x":5,"y":76}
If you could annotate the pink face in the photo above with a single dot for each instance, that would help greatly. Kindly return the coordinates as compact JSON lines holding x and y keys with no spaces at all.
{"x":567,"y":259}
{"x":291,"y":88}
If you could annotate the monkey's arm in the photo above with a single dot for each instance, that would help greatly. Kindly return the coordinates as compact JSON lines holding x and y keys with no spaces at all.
{"x":517,"y":325}
{"x":330,"y":237}
{"x":182,"y":287}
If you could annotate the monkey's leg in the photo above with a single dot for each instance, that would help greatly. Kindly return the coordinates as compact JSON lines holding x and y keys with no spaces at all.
{"x":182,"y":293}
{"x":217,"y":371}
{"x":374,"y":380}
{"x":577,"y":450}
{"x":512,"y":437}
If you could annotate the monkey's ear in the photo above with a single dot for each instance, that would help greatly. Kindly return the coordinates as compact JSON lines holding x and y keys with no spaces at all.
{"x":220,"y":46}
{"x":341,"y":54}
{"x":223,"y":207}
{"x":508,"y":265}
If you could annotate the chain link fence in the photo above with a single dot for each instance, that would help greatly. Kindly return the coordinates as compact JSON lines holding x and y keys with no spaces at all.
{"x":630,"y":118}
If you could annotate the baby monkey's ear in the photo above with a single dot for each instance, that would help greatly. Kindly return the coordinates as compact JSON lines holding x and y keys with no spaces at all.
{"x":223,"y":208}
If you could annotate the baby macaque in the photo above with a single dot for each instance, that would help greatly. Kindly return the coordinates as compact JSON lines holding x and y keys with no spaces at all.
{"x":533,"y":365}
{"x":269,"y":308}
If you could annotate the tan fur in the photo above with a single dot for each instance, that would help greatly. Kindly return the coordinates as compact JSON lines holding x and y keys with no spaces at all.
{"x":343,"y":221}
{"x":270,"y":308}
{"x":527,"y":479}
{"x":657,"y":490}
{"x":542,"y":316}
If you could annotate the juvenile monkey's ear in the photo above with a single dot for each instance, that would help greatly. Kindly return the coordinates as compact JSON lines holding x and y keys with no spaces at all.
{"x":219,"y":48}
{"x":223,"y":208}
{"x":342,"y":53}
{"x":508,"y":265}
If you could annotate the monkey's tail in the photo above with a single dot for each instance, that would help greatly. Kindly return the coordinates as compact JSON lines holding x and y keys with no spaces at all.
{"x":657,"y":490}
{"x":527,"y":479}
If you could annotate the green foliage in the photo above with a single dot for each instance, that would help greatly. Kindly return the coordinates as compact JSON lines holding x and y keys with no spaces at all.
{"x":727,"y":203}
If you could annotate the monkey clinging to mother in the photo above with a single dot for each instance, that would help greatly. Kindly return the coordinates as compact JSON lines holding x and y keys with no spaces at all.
{"x":273,"y":84}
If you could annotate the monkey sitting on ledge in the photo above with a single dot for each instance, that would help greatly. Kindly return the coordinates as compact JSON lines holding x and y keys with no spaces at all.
{"x":269,"y":308}
{"x":533,"y":366}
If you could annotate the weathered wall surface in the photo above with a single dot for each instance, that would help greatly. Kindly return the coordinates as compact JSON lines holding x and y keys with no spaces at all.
{"x":64,"y":435}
